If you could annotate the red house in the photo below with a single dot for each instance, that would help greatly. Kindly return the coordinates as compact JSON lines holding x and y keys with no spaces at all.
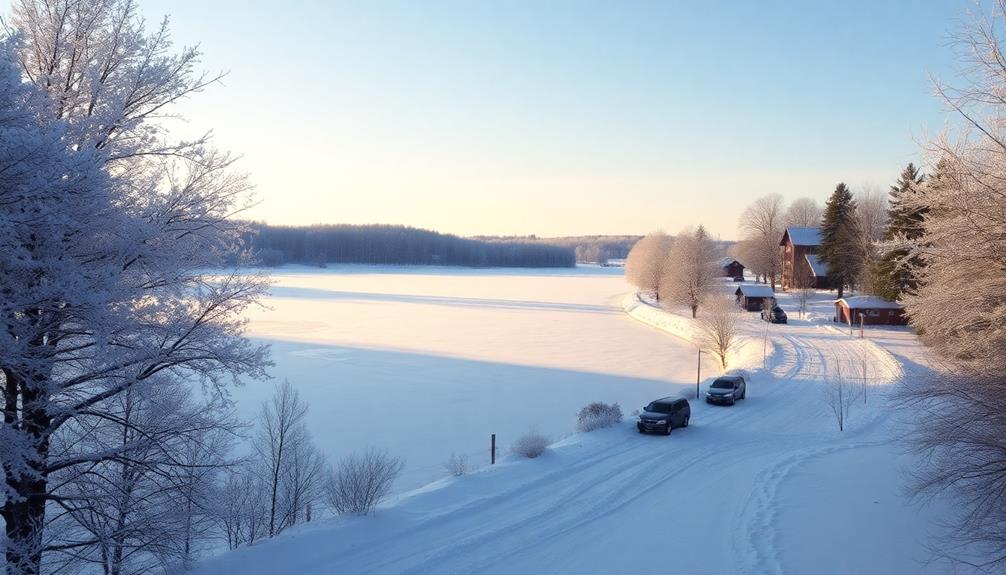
{"x":800,"y":266}
{"x":871,"y":309}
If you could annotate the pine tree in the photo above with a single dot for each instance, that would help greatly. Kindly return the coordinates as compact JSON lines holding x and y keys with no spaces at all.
{"x":838,"y":248}
{"x":896,"y":272}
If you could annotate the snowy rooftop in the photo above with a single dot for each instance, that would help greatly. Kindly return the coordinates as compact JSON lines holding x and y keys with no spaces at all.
{"x":724,"y":262}
{"x":817,"y":267}
{"x":752,"y":290}
{"x":868,"y":301}
{"x":804,"y":236}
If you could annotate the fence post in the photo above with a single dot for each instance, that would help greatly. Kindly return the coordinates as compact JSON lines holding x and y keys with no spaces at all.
{"x":492,"y":450}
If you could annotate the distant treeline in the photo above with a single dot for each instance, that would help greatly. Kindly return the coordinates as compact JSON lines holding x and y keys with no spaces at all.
{"x":385,"y":244}
{"x":588,"y":249}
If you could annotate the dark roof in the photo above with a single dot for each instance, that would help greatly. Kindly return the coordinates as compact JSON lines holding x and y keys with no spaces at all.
{"x":802,"y":236}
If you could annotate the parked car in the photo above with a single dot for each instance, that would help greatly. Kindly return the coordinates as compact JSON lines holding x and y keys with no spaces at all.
{"x":664,"y":414}
{"x":774,"y":314}
{"x":727,"y":389}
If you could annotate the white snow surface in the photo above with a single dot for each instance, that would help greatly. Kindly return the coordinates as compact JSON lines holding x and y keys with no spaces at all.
{"x":425,"y":362}
{"x":817,"y":267}
{"x":869,"y":301}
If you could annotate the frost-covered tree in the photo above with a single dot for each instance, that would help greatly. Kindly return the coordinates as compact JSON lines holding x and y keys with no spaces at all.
{"x":154,"y":508}
{"x":958,"y":307}
{"x":644,"y":267}
{"x":719,"y":326}
{"x":762,"y":223}
{"x":108,"y":229}
{"x":803,"y":213}
{"x":692,"y":270}
{"x":868,"y":231}
{"x":839,"y":247}
{"x":290,"y":466}
{"x":839,"y":395}
{"x":894,"y":271}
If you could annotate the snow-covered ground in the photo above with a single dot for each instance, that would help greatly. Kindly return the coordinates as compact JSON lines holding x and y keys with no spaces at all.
{"x":428,"y":362}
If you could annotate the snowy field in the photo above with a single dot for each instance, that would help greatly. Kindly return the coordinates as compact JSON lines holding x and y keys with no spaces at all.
{"x":425,"y":362}
{"x":429,"y":361}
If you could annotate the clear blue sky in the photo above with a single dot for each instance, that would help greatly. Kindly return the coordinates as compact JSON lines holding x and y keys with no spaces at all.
{"x":556,"y":118}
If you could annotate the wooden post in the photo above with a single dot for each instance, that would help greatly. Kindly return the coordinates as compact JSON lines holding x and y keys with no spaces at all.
{"x":492,"y":450}
{"x":698,"y":374}
{"x":862,"y":320}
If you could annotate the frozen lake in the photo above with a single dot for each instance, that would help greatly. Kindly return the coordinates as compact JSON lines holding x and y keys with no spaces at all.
{"x":429,"y":361}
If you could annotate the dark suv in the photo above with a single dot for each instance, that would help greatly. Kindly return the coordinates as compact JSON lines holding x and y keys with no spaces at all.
{"x":727,"y":390}
{"x":663,"y":415}
{"x":774,"y":314}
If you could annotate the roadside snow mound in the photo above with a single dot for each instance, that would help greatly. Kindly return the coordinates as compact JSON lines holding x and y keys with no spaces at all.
{"x":676,"y":325}
{"x":747,"y":354}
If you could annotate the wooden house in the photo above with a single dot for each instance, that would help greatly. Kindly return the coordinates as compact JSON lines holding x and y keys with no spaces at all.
{"x":754,"y":297}
{"x":873,"y":310}
{"x":731,"y":268}
{"x":800,"y":265}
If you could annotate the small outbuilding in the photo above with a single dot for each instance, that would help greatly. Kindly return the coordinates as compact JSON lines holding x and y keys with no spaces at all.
{"x":731,"y":268}
{"x":873,"y":310}
{"x":754,"y":297}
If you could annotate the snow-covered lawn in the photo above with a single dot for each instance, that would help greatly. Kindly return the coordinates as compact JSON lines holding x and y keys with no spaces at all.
{"x":425,"y":364}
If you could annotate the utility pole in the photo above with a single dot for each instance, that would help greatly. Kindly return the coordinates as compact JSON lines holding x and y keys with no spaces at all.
{"x":698,"y":374}
{"x":764,"y":347}
{"x":492,"y":450}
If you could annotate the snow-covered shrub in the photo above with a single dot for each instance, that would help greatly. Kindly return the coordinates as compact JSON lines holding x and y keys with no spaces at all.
{"x":360,"y":481}
{"x":457,"y":465}
{"x":597,"y":415}
{"x":530,"y":445}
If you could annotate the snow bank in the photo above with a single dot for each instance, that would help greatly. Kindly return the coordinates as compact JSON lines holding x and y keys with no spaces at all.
{"x":747,"y":354}
{"x":674,"y":324}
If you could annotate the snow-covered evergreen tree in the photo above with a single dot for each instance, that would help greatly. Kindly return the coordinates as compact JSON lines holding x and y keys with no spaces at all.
{"x":894,"y":272}
{"x":839,"y":248}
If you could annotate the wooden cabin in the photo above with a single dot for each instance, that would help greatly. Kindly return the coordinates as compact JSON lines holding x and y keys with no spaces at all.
{"x":800,"y":265}
{"x":732,"y":268}
{"x":754,"y":297}
{"x":872,"y":309}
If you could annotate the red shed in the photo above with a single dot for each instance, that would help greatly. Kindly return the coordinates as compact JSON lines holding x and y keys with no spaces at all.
{"x":874,"y":310}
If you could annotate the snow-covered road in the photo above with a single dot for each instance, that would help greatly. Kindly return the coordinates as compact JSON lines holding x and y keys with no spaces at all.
{"x":767,"y":486}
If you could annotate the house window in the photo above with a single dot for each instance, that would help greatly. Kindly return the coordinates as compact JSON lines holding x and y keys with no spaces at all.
{"x":874,"y":313}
